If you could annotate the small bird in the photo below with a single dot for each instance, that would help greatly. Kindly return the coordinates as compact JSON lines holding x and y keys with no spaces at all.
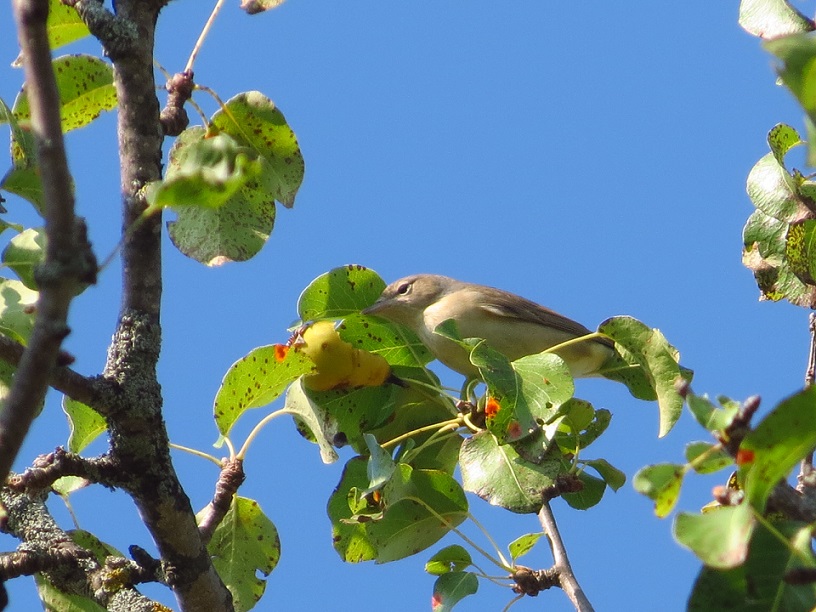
{"x":510,"y":324}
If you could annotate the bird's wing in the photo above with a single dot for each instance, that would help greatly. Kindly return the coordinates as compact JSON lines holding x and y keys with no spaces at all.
{"x":504,"y":304}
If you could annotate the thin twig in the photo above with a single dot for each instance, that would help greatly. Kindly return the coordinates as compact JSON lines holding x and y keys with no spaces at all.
{"x":565,"y":574}
{"x":231,"y":478}
{"x":810,"y":374}
{"x":806,"y":472}
{"x":90,"y":391}
{"x":203,"y":36}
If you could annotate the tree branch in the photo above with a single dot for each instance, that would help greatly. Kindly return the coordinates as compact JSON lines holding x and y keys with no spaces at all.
{"x":566,"y":577}
{"x":68,"y":259}
{"x":232,"y":476}
{"x":69,"y":567}
{"x":117,"y":35}
{"x":47,"y":469}
{"x":94,"y":392}
{"x":139,"y":440}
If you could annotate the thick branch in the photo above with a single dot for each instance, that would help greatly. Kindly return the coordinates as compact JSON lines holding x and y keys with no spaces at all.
{"x":67,"y":257}
{"x":566,"y":577}
{"x":70,"y":568}
{"x":138,"y":435}
{"x":117,"y":35}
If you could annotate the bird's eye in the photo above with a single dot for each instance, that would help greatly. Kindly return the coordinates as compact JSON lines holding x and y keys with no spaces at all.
{"x":404,"y":288}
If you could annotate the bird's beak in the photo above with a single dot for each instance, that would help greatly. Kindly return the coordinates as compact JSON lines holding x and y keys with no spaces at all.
{"x":374,"y":308}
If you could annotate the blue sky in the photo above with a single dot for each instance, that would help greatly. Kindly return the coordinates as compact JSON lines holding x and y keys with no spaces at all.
{"x":589,"y":157}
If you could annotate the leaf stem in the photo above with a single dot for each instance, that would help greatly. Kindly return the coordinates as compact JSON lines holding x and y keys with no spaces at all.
{"x":451,"y":424}
{"x":486,"y":534}
{"x":502,"y":564}
{"x":197,"y":453}
{"x":257,"y":429}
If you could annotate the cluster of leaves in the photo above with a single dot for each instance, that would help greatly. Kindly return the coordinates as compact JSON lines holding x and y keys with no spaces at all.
{"x":522,"y":438}
{"x":755,"y":557}
{"x":778,"y":236}
{"x":751,"y":556}
{"x":222,"y":180}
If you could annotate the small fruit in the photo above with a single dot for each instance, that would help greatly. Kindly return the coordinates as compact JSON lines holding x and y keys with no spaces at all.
{"x":338,"y":363}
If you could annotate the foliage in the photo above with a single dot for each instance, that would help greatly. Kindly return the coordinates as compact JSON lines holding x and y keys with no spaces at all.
{"x":515,"y":438}
{"x":756,"y":551}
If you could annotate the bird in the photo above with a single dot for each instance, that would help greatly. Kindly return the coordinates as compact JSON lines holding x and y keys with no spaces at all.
{"x":513,"y":325}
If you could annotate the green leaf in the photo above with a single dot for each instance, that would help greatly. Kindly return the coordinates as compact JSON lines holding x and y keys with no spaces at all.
{"x":398,"y":345}
{"x":219,"y":229}
{"x":66,"y":485}
{"x":315,"y":419}
{"x":23,"y":179}
{"x":420,"y":507}
{"x":546,"y":384}
{"x":529,"y":390}
{"x":252,"y":119}
{"x":649,"y":351}
{"x":64,"y":26}
{"x":574,"y":434}
{"x":17,"y":310}
{"x":350,"y":538}
{"x":773,"y":190}
{"x":245,"y":543}
{"x":708,"y":415}
{"x":763,"y":242}
{"x":772,"y":18}
{"x":351,"y":413}
{"x":413,"y":410}
{"x":450,"y":589}
{"x":206,"y":172}
{"x":235,"y":182}
{"x":797,"y":53}
{"x":774,"y":248}
{"x":452,"y":558}
{"x":85,"y":85}
{"x":25,"y":182}
{"x":760,"y":583}
{"x":256,"y":380}
{"x":24,"y":253}
{"x":660,"y":483}
{"x":236,"y":231}
{"x":340,"y":292}
{"x":497,"y":473}
{"x":523,"y":544}
{"x":781,"y":139}
{"x":719,"y":538}
{"x":380,"y":464}
{"x":706,"y":459}
{"x":587,"y":497}
{"x":764,"y":255}
{"x":90,"y":542}
{"x":777,"y":444}
{"x":800,"y":250}
{"x":86,"y":424}
{"x":54,"y":600}
{"x":599,"y":424}
{"x":610,"y":474}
